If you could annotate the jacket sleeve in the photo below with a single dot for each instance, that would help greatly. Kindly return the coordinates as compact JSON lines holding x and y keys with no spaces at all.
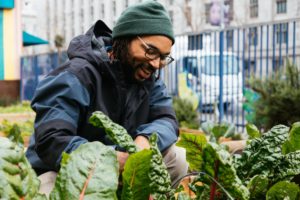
{"x":162,"y":117}
{"x":58,"y":102}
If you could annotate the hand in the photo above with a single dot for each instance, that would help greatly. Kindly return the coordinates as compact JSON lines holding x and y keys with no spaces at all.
{"x":142,"y":142}
{"x":122,"y":158}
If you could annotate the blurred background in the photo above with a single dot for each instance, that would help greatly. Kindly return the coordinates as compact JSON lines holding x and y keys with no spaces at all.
{"x":221,"y":45}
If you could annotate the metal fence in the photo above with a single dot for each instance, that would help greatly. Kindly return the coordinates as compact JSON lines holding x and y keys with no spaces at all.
{"x":213,"y":68}
{"x":34,"y":68}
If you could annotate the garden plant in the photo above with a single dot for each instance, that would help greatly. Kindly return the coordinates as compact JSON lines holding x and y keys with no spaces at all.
{"x":266,"y":169}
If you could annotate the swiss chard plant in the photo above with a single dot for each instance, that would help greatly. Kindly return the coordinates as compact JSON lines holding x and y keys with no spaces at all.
{"x":91,"y":171}
{"x":265,"y":170}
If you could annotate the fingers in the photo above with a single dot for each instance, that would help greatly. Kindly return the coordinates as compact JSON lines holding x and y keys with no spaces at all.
{"x":122,"y":157}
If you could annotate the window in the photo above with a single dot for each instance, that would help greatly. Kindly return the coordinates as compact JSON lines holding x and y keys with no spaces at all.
{"x":253,"y":8}
{"x":253,"y":36}
{"x":207,"y":8}
{"x":82,"y":18}
{"x":171,"y":2}
{"x":281,"y":33}
{"x":229,"y":38}
{"x":102,"y":10}
{"x":126,"y":3}
{"x":114,"y":8}
{"x":171,"y":14}
{"x":281,"y":6}
{"x":91,"y":12}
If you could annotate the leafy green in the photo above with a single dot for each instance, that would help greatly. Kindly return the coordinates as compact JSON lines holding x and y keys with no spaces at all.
{"x":217,"y":163}
{"x":160,"y":181}
{"x":135,"y":176}
{"x":193,"y":145}
{"x":252,"y":131}
{"x":258,"y":187}
{"x":183,"y":196}
{"x":262,"y":154}
{"x":89,"y":172}
{"x":215,"y":131}
{"x":288,"y":167}
{"x":293,"y":143}
{"x":284,"y":190}
{"x":117,"y":133}
{"x":17,"y":178}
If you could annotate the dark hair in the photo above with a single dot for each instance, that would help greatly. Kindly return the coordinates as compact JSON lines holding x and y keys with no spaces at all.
{"x":120,"y":47}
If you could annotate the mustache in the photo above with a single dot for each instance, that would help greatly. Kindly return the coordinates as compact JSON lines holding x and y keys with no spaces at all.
{"x":146,"y":67}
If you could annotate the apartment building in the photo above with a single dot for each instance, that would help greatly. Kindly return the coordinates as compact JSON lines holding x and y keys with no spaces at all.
{"x":52,"y":18}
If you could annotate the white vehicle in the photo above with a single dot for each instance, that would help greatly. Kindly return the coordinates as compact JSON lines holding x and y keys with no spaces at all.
{"x":202,"y":72}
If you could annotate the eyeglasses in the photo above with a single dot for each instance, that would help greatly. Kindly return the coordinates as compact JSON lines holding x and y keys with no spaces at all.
{"x":152,"y":53}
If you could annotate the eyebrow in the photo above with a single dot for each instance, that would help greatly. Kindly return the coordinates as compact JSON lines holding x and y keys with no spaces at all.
{"x":153,"y":46}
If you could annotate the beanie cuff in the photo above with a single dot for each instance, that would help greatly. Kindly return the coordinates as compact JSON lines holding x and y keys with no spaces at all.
{"x":155,"y":26}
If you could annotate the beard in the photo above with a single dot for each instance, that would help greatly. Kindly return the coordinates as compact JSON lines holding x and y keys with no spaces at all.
{"x":130,"y":67}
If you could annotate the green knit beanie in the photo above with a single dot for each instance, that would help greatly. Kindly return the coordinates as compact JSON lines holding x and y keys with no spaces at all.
{"x":146,"y":18}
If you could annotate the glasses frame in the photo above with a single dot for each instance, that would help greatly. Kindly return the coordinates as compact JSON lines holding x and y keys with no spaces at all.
{"x":153,"y":53}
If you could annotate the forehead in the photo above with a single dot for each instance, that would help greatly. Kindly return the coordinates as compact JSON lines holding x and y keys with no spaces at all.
{"x":162,"y":43}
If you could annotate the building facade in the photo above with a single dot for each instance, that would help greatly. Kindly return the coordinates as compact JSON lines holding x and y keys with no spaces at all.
{"x":10,"y":48}
{"x":68,"y":18}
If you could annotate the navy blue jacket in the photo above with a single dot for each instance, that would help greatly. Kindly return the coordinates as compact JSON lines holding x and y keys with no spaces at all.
{"x":90,"y":81}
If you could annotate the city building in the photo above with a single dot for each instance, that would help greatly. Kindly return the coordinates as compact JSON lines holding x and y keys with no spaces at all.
{"x":10,"y":48}
{"x":56,"y":19}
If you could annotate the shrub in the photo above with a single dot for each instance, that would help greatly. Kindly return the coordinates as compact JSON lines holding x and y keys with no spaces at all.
{"x":279,"y":98}
{"x":186,"y":115}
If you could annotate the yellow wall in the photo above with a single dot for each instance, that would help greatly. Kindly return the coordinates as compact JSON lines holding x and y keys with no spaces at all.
{"x":11,"y":43}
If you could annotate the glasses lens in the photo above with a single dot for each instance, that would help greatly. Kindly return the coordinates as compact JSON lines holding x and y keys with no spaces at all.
{"x":152,"y":53}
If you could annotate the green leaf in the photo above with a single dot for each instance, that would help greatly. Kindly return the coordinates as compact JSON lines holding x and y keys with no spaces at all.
{"x":215,"y":131}
{"x":136,"y":182}
{"x":262,"y":155}
{"x":258,"y":187}
{"x":288,"y":166}
{"x":225,"y":173}
{"x":117,"y":133}
{"x":284,"y":190}
{"x":183,"y":196}
{"x":293,"y":143}
{"x":17,"y":178}
{"x":252,"y":131}
{"x":193,"y":145}
{"x":160,"y":181}
{"x":90,"y":172}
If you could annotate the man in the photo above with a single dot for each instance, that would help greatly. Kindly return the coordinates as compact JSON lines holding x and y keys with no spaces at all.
{"x":117,"y":73}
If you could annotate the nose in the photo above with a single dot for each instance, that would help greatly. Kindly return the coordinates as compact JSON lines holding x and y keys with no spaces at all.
{"x":155,"y":63}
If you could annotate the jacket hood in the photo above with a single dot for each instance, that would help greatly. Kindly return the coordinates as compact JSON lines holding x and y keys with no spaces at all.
{"x":92,"y":45}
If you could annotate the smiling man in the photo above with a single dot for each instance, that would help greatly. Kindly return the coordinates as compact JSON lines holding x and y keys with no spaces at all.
{"x":118,"y":73}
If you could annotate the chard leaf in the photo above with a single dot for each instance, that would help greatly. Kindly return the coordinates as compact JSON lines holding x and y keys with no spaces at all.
{"x":284,"y":190}
{"x":262,"y":154}
{"x":183,"y":196}
{"x":225,"y":173}
{"x":193,"y":145}
{"x":293,"y":143}
{"x":136,"y":182}
{"x":289,"y":167}
{"x":117,"y":133}
{"x":252,"y":131}
{"x":17,"y":178}
{"x":89,"y":172}
{"x":160,"y":181}
{"x":258,"y":187}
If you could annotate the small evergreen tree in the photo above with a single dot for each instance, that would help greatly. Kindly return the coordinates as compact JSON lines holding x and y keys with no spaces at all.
{"x":279,"y":98}
{"x":185,"y":113}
